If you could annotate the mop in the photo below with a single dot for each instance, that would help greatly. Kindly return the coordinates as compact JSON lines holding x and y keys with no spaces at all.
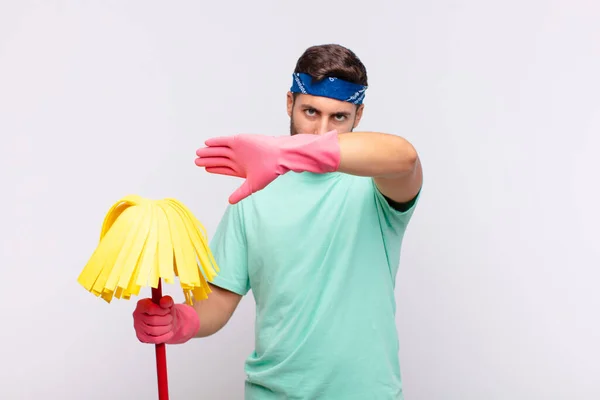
{"x":144,"y":243}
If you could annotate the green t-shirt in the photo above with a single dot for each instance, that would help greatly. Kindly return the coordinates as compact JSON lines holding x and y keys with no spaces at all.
{"x":320,"y":253}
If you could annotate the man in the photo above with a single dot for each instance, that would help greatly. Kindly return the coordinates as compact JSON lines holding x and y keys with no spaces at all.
{"x":315,"y":232}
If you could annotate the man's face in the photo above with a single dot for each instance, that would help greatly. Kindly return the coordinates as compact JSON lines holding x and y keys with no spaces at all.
{"x":319,"y":115}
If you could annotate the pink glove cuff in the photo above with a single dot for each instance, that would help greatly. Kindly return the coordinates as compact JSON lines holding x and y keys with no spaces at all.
{"x":187,"y":326}
{"x":312,"y":153}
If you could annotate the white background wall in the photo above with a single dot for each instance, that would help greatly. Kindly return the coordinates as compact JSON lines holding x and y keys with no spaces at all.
{"x":498,"y":288}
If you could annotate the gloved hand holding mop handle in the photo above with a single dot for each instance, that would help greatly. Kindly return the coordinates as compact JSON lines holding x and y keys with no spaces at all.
{"x":165,"y":322}
{"x":261,"y":159}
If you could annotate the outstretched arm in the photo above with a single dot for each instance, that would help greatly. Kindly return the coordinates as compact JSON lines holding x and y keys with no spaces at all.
{"x":391,"y":160}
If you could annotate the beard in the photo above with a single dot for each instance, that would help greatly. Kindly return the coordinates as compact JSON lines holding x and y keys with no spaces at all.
{"x":293,"y":130}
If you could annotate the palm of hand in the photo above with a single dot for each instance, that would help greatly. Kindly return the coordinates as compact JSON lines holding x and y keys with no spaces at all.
{"x":253,"y":157}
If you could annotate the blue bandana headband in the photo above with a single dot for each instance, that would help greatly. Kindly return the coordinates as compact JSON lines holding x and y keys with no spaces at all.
{"x":334,"y":88}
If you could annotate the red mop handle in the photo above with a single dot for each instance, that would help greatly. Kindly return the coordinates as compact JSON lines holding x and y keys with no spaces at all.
{"x":161,"y":354}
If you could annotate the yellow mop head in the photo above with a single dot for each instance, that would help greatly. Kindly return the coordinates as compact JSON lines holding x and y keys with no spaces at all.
{"x":145,"y":240}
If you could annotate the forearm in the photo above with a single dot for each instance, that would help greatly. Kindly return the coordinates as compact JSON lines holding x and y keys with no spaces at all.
{"x":215,"y":312}
{"x":211,"y":321}
{"x":376,"y":155}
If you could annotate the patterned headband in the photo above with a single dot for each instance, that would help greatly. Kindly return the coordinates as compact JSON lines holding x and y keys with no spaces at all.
{"x":334,"y":88}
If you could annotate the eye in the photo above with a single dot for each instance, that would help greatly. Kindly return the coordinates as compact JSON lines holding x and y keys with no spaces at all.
{"x":339,"y":117}
{"x":311,"y":112}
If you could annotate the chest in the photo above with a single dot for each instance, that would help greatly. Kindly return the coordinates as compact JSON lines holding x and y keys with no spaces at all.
{"x":301,"y":239}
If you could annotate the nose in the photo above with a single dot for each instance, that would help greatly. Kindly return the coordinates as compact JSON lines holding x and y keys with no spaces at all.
{"x":323,"y":126}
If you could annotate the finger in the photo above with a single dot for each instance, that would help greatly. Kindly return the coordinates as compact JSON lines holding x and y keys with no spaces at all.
{"x":212,"y":162}
{"x":145,"y":338}
{"x":158,"y":331}
{"x":148,"y":307}
{"x":219,"y":141}
{"x":142,"y":305}
{"x":166,"y":302}
{"x":151,"y":330}
{"x":241,"y":193}
{"x":224,"y":171}
{"x":218,"y":151}
{"x":151,"y":321}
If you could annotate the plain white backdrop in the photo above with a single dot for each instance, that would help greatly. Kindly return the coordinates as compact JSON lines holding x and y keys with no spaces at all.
{"x":498,"y":286}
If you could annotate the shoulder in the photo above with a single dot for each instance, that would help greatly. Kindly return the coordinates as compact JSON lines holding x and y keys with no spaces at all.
{"x":392,"y":212}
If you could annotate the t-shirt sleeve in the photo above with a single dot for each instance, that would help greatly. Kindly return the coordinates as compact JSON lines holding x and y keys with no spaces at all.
{"x":393,"y":223}
{"x":230,"y":249}
{"x":390,"y":217}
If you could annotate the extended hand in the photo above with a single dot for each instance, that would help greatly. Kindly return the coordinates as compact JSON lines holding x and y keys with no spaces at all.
{"x":253,"y":157}
{"x":261,"y":159}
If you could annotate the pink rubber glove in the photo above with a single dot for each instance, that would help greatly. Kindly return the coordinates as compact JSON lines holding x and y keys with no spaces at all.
{"x":261,"y":159}
{"x":165,"y":323}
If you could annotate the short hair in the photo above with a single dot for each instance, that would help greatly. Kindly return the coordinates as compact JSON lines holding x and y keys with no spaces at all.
{"x":332,"y":61}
